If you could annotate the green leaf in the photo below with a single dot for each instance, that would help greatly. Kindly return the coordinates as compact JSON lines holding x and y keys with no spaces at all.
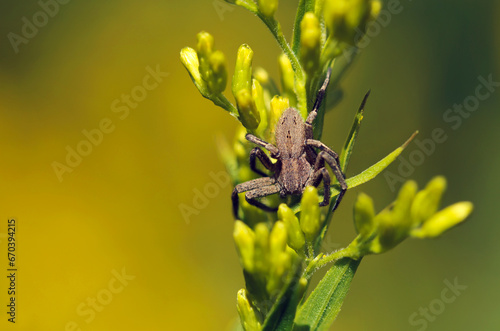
{"x":375,"y":169}
{"x":322,"y":306}
{"x":353,"y":134}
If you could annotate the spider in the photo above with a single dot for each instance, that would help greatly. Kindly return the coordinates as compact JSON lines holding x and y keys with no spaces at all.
{"x":297,"y":163}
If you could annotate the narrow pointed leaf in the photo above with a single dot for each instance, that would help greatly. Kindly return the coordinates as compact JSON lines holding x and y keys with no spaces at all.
{"x":322,"y":306}
{"x":375,"y":169}
{"x":353,"y":134}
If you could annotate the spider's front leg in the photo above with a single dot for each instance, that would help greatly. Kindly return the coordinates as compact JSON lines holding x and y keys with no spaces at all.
{"x":255,"y":188}
{"x":262,"y":143}
{"x":264,"y":159}
{"x":319,"y":99}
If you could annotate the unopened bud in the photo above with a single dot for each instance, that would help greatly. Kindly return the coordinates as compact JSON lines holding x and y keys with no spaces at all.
{"x":310,"y":217}
{"x":364,"y":213}
{"x":427,"y":201}
{"x":296,"y":238}
{"x":444,"y":220}
{"x":268,"y":7}
{"x":244,"y":238}
{"x":248,"y":315}
{"x":310,"y":40}
{"x":249,"y":115}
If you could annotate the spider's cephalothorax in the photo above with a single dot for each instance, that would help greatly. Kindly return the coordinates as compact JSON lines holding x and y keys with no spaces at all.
{"x":297,"y":162}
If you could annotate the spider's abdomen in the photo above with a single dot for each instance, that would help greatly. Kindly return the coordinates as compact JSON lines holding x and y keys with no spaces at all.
{"x":294,"y":174}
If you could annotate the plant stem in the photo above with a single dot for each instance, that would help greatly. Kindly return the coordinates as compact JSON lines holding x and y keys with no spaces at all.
{"x":351,"y":251}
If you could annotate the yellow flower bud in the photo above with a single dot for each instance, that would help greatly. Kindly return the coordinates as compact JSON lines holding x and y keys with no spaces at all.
{"x":364,"y":213}
{"x":248,"y":315}
{"x":205,"y":44}
{"x":444,"y":220}
{"x":310,"y":40}
{"x":218,"y":79}
{"x":242,"y":78}
{"x":347,"y":19}
{"x":244,"y":238}
{"x":295,"y":236}
{"x":249,"y":115}
{"x":261,"y":254}
{"x":389,"y":233}
{"x":310,"y":217}
{"x":402,"y":206}
{"x":427,"y":201}
{"x":189,"y":59}
{"x":268,"y":7}
{"x":260,"y":103}
{"x":287,"y":79}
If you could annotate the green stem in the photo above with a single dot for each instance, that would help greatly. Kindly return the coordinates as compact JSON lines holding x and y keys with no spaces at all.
{"x":221,"y":101}
{"x":352,"y":251}
{"x":275,"y":28}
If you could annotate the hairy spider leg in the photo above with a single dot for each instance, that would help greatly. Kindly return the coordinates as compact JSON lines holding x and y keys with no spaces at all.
{"x":319,"y":99}
{"x":318,"y":175}
{"x":255,"y":188}
{"x":264,"y":159}
{"x":326,"y":155}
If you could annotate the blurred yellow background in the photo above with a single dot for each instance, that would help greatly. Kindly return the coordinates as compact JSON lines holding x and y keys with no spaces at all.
{"x":102,"y":243}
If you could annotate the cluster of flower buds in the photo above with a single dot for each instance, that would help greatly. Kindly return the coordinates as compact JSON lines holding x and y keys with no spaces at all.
{"x":269,"y":253}
{"x":206,"y":66}
{"x":266,"y":259}
{"x":413,"y":214}
{"x":347,"y":20}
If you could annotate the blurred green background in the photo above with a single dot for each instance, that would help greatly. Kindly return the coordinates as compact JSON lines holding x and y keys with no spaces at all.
{"x":117,"y":211}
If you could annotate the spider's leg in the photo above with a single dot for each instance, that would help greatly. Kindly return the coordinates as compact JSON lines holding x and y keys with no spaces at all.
{"x":318,"y":144}
{"x":248,"y":186}
{"x":264,"y":159}
{"x":251,"y":196}
{"x":319,"y":99}
{"x":317,"y":176}
{"x":333,"y":163}
{"x":262,"y":143}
